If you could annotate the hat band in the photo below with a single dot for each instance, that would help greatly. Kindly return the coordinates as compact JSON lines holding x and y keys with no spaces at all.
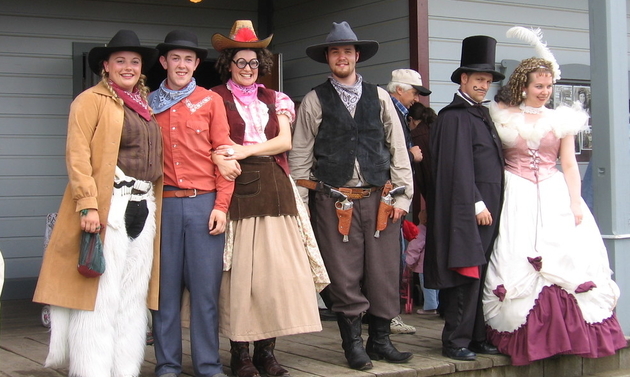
{"x":183,"y":43}
{"x":342,"y":40}
{"x":479,"y":66}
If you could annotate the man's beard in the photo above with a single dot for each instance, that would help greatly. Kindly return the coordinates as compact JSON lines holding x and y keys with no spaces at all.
{"x":342,"y":72}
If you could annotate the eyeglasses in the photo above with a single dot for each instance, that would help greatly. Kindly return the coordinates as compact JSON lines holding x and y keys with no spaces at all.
{"x":242,"y":63}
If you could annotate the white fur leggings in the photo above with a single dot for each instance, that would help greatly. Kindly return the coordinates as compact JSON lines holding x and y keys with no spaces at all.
{"x":110,"y":341}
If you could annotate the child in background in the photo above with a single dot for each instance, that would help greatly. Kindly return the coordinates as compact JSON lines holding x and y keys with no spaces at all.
{"x":414,"y":258}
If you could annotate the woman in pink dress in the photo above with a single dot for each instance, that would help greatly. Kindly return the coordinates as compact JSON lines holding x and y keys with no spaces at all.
{"x":548,"y":288}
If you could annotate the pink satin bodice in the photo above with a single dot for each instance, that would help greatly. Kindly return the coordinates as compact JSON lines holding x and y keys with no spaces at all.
{"x":534,"y":164}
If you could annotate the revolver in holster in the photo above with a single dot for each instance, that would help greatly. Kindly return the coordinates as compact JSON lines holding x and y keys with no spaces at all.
{"x":344,"y":208}
{"x":386,"y":206}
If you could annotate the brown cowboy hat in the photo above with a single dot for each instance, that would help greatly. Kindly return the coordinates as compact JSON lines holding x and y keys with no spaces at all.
{"x":242,"y":35}
{"x":341,"y":35}
{"x":124,"y":40}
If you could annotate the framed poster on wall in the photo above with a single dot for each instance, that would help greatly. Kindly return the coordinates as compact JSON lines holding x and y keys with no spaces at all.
{"x":567,"y":95}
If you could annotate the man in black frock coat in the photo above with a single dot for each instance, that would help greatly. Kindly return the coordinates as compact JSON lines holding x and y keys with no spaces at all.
{"x":464,"y":207}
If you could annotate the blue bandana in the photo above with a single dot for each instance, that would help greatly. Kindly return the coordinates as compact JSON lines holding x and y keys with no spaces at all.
{"x":163,"y":98}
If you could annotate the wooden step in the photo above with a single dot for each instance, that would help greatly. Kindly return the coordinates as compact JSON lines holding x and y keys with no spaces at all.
{"x":24,"y":346}
{"x":611,"y":373}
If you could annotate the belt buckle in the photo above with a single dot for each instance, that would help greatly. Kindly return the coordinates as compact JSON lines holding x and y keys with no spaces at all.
{"x":366,"y":193}
{"x":193,"y":195}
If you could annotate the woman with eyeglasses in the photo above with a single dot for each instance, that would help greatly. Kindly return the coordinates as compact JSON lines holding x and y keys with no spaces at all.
{"x":268,"y":289}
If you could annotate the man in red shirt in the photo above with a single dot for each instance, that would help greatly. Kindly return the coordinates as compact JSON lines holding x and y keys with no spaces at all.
{"x":196,"y":201}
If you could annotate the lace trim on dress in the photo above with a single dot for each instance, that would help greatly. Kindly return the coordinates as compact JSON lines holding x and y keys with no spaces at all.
{"x":562,"y":121}
{"x":531,"y":110}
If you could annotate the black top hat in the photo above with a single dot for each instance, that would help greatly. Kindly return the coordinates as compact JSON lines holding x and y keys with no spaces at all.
{"x":124,"y":40}
{"x":182,"y":39}
{"x":478,"y":54}
{"x":341,"y":35}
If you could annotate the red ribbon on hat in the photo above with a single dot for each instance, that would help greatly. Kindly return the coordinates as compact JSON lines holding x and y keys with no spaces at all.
{"x":245,"y":35}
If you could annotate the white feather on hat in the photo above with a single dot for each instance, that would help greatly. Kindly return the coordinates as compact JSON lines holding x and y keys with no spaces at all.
{"x":534,"y":38}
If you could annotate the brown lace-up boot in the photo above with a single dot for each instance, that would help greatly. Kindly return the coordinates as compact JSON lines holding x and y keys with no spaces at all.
{"x":240,"y":362}
{"x":265,"y":360}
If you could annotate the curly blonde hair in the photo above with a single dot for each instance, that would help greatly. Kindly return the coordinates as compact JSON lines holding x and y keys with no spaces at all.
{"x":520,"y":77}
{"x":141,"y":85}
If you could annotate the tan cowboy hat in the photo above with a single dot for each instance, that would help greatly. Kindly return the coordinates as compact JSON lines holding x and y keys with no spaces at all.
{"x":242,"y":35}
{"x":341,"y":35}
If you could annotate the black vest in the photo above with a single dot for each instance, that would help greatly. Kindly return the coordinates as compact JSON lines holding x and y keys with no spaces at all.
{"x":341,"y":139}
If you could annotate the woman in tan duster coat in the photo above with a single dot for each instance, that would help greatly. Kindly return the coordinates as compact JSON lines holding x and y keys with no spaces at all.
{"x":114,"y":160}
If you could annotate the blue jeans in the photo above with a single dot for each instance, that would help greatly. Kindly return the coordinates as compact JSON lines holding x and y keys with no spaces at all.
{"x":430,"y":296}
{"x":191,"y":258}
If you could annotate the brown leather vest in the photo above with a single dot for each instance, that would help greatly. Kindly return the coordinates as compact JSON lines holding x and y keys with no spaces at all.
{"x":237,"y":124}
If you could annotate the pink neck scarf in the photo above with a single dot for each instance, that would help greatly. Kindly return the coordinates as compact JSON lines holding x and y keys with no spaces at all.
{"x":245,"y":94}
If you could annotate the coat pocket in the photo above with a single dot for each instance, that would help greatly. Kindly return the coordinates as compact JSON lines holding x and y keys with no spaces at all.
{"x":247,"y":184}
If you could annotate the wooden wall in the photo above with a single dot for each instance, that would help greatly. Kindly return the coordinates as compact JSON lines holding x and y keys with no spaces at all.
{"x":36,"y":75}
{"x":301,"y":23}
{"x":564,"y":23}
{"x":36,"y":40}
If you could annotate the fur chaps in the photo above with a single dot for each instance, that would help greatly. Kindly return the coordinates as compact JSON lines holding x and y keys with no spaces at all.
{"x":110,"y":341}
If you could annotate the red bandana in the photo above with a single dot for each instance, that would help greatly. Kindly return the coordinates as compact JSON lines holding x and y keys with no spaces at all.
{"x":133,"y":100}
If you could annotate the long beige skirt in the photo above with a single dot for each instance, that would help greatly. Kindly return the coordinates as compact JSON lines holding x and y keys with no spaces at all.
{"x":269,"y":290}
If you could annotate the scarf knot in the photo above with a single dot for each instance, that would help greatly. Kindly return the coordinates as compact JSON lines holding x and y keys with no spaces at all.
{"x":245,"y":94}
{"x":132,"y":100}
{"x":163,"y":98}
{"x":349,"y":94}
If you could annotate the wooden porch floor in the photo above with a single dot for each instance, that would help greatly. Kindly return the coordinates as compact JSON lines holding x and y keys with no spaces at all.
{"x":24,"y":345}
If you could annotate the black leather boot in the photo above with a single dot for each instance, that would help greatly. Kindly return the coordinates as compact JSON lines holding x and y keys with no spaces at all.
{"x":265,"y":360}
{"x":352,"y":343}
{"x":240,"y":362}
{"x":379,"y":346}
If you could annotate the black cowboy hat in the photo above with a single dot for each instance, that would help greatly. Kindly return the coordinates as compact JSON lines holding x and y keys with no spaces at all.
{"x":478,"y":54}
{"x":182,"y":39}
{"x":124,"y":40}
{"x":341,"y":35}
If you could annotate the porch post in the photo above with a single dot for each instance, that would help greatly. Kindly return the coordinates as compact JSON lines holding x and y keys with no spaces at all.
{"x":419,"y":41}
{"x":611,"y":145}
